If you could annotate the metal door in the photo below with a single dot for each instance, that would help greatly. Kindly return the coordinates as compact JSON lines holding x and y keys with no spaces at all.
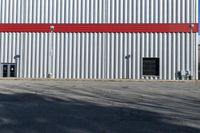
{"x":8,"y":70}
{"x":12,"y":70}
{"x":5,"y":70}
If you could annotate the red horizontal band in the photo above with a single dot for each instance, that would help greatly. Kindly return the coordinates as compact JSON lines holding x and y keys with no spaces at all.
{"x":167,"y":27}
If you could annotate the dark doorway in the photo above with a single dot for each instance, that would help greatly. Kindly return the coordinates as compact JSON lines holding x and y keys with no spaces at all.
{"x":12,"y":70}
{"x":5,"y":70}
{"x":9,"y":70}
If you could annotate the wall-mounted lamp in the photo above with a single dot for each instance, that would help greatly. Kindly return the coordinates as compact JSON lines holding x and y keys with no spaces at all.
{"x":191,"y":27}
{"x":16,"y":57}
{"x":52,"y":28}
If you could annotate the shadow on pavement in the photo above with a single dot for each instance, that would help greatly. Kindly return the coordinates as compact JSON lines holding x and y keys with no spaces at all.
{"x":32,"y":113}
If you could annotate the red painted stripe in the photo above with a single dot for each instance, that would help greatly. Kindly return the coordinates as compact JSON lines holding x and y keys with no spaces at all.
{"x":168,"y":27}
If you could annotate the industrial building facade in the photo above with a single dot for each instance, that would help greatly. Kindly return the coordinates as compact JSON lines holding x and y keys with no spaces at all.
{"x":99,"y":39}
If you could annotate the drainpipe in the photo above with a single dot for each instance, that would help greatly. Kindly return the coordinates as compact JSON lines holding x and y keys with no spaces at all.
{"x":192,"y":41}
{"x":192,"y":52}
{"x":17,"y":61}
{"x":50,"y":71}
{"x":127,"y":65}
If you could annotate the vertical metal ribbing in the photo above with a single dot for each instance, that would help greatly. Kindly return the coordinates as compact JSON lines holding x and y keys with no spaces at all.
{"x":65,"y":53}
{"x":97,"y":11}
{"x":104,"y":55}
{"x":82,"y":56}
{"x":99,"y":55}
{"x":196,"y":39}
{"x":78,"y":65}
{"x":169,"y":57}
{"x":1,"y":53}
{"x":192,"y":40}
{"x":61,"y":55}
{"x":76,"y":11}
{"x":82,"y":53}
{"x":40,"y":57}
{"x":197,"y":56}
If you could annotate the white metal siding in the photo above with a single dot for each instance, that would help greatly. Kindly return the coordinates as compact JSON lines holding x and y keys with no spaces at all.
{"x":99,"y":55}
{"x":199,"y":61}
{"x":98,"y":11}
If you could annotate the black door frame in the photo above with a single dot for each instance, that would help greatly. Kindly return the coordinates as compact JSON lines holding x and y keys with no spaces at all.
{"x":8,"y":69}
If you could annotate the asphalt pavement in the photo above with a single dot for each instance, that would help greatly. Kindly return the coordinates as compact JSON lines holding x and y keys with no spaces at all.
{"x":68,"y":106}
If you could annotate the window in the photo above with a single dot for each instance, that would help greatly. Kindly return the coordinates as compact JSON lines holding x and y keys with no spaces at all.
{"x":151,"y":66}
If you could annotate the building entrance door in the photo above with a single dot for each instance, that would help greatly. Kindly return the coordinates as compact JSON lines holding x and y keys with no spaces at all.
{"x":8,"y":70}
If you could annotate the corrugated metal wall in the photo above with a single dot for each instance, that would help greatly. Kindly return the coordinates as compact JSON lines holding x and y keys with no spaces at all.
{"x":199,"y":60}
{"x":98,"y":11}
{"x":99,"y":55}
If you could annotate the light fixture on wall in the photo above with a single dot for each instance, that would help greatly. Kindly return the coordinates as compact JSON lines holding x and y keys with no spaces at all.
{"x":16,"y":57}
{"x":52,"y":28}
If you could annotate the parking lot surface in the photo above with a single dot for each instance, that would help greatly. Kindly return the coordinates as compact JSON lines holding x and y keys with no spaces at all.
{"x":67,"y":106}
